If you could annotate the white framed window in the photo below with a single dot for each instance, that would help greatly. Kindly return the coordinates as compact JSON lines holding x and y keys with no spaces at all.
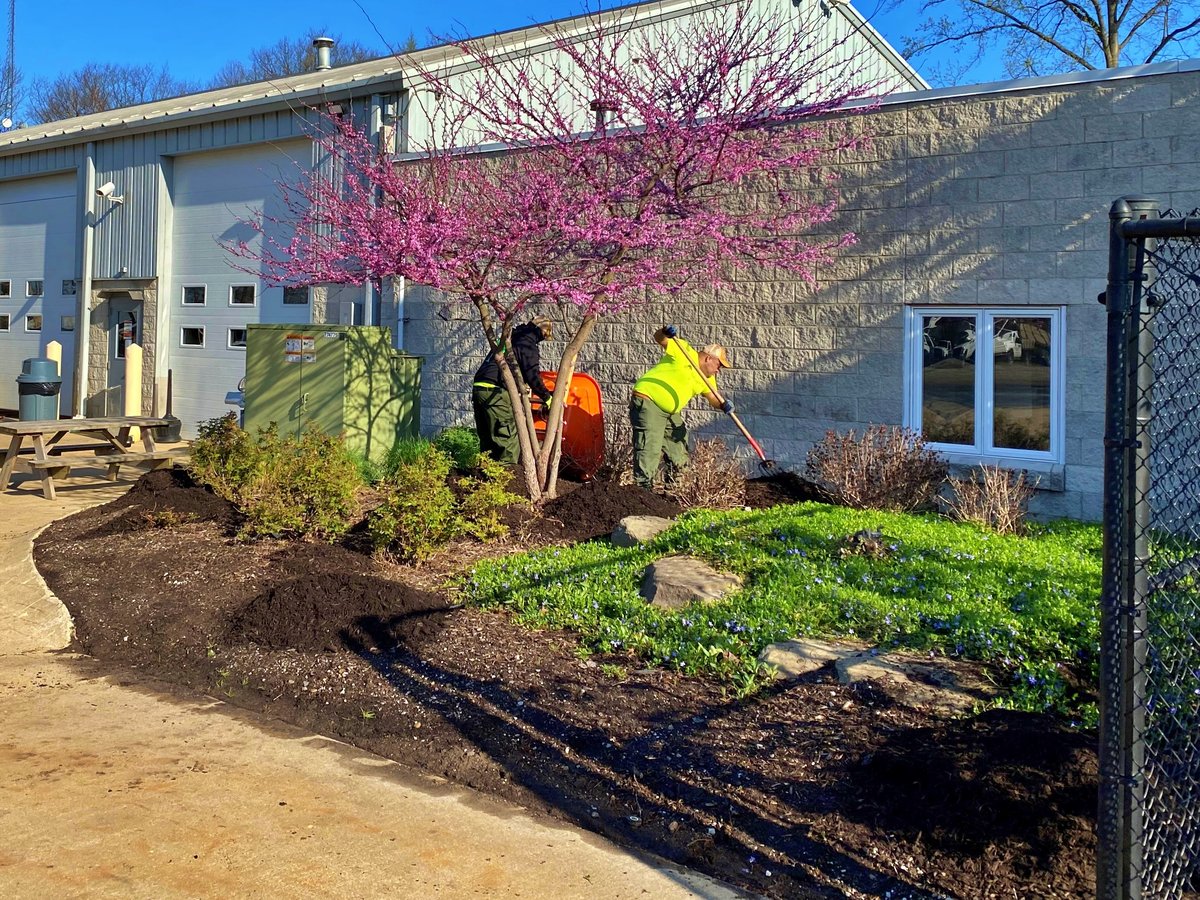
{"x":191,"y":336}
{"x":5,"y":287}
{"x":296,"y":296}
{"x":33,"y":323}
{"x":4,"y":321}
{"x":986,"y":383}
{"x":236,"y":339}
{"x":243,"y":294}
{"x":35,"y":287}
{"x":195,"y":294}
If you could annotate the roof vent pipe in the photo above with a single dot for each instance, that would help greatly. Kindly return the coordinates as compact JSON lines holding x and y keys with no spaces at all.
{"x":323,"y":45}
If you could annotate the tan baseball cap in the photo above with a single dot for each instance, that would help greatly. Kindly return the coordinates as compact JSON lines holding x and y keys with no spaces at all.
{"x":544,"y":323}
{"x":718,"y":351}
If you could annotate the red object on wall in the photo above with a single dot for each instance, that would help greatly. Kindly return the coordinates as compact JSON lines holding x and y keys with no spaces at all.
{"x":583,"y":426}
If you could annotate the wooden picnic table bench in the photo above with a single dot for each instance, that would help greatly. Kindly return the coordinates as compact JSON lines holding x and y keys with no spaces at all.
{"x":110,"y":447}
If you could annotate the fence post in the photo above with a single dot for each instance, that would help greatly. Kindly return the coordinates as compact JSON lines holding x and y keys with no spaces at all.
{"x":1118,"y":859}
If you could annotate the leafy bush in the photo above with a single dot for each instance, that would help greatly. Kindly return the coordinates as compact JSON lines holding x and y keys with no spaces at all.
{"x":484,"y":495}
{"x":995,"y":498}
{"x":711,"y":480}
{"x":461,"y":444}
{"x":884,"y":468}
{"x":1025,"y":605}
{"x":224,"y":457}
{"x":301,"y":487}
{"x":418,"y":513}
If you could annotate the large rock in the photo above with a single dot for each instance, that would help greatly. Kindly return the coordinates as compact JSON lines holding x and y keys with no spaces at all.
{"x":795,"y":659}
{"x":634,"y":530}
{"x":675,"y":581}
{"x":944,"y":685}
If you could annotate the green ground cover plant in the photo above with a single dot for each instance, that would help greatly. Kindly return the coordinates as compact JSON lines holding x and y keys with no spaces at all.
{"x":1025,"y":604}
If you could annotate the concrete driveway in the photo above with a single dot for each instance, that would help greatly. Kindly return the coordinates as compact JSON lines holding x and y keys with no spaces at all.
{"x":117,"y":789}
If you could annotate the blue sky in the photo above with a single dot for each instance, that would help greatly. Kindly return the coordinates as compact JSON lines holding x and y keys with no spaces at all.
{"x":194,"y":38}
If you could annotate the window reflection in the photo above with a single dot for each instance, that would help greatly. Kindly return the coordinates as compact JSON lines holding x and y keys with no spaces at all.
{"x":948,"y":375}
{"x":1021,"y":383}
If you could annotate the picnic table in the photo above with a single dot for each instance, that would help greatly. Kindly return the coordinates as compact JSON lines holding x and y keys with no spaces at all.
{"x":110,"y":446}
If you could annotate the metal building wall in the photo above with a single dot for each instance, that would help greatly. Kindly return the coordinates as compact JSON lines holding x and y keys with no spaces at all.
{"x":126,"y":236}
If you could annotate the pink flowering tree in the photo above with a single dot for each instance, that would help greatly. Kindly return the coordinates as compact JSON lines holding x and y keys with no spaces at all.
{"x":612,"y":160}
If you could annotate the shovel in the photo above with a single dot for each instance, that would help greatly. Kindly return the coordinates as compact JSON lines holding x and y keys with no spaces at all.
{"x":768,"y":465}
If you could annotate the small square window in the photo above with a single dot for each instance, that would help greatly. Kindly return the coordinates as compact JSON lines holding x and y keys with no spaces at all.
{"x":194,"y":294}
{"x":237,"y":339}
{"x":33,"y":323}
{"x":5,"y":288}
{"x":66,"y":323}
{"x":296,"y":296}
{"x":35,"y":288}
{"x":191,"y":336}
{"x":4,"y":320}
{"x":69,"y":287}
{"x":242,"y":295}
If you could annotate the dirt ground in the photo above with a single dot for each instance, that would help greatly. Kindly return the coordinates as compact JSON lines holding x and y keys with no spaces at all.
{"x":807,"y":790}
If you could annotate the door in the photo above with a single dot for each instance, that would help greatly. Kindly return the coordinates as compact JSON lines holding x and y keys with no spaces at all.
{"x":124,"y":328}
{"x":210,"y":303}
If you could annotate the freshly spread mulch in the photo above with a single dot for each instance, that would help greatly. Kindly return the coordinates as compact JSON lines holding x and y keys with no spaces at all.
{"x":807,"y":790}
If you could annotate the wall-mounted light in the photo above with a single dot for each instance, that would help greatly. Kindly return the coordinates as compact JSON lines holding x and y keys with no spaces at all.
{"x":107,"y":190}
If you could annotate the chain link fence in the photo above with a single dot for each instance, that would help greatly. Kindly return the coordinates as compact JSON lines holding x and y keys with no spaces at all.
{"x":1149,"y":814}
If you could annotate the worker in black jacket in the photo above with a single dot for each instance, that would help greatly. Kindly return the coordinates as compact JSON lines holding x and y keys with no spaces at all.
{"x":494,"y":419}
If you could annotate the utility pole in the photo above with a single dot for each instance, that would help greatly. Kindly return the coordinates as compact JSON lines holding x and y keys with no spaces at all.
{"x":10,"y":67}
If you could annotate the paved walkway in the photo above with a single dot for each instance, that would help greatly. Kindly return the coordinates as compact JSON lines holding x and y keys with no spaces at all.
{"x":117,"y":790}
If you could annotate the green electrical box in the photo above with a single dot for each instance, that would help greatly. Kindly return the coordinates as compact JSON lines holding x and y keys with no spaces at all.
{"x":342,"y":379}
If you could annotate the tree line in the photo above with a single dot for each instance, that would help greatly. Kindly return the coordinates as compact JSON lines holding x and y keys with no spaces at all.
{"x":95,"y":87}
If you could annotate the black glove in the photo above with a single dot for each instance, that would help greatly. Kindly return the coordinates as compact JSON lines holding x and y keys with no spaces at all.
{"x":670,"y":331}
{"x":726,"y":407}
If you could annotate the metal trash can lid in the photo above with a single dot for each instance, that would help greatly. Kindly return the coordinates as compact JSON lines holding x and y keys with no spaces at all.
{"x":38,"y":369}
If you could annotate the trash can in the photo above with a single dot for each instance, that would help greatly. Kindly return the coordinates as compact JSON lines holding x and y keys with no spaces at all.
{"x":37,"y":389}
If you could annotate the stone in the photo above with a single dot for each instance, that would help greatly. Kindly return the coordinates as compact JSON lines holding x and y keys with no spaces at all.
{"x":797,"y":658}
{"x":634,"y":530}
{"x":944,"y":685}
{"x":675,"y":581}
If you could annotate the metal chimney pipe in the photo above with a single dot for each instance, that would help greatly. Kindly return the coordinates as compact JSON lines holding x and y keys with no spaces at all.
{"x":323,"y":45}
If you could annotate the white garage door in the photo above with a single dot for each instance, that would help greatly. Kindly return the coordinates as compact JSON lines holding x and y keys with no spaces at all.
{"x":210,"y":303}
{"x":38,"y":240}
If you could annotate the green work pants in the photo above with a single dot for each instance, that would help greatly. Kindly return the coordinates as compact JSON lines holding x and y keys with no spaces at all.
{"x":656,"y":433}
{"x":496,"y":424}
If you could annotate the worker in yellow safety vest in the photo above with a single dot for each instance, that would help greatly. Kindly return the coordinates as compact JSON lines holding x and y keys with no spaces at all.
{"x":659,"y":397}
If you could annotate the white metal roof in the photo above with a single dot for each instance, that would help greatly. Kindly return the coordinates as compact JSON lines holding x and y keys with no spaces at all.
{"x":388,"y":73}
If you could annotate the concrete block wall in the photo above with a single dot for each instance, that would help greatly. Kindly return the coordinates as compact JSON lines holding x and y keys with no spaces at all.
{"x":996,"y":198}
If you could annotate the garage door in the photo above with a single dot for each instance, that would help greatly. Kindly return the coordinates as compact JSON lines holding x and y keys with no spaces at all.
{"x":39,"y":237}
{"x":210,"y":303}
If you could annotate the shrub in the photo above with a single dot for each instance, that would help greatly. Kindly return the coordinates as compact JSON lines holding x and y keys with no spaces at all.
{"x":618,"y":453}
{"x":484,"y":495}
{"x":224,"y":457}
{"x":418,"y":513}
{"x":712,"y":479}
{"x":995,"y":498}
{"x":884,"y":468}
{"x":461,"y":444}
{"x":404,"y":452}
{"x":303,"y":487}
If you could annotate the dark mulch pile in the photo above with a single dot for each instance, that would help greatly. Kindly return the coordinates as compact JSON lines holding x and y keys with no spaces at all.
{"x":807,"y":790}
{"x":168,"y":497}
{"x":594,"y":509}
{"x":333,"y":610}
{"x":783,"y":487}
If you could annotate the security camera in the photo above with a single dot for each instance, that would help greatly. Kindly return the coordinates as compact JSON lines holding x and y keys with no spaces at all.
{"x":106,"y":189}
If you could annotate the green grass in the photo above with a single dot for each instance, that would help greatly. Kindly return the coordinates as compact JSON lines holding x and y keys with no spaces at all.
{"x":1026,"y":605}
